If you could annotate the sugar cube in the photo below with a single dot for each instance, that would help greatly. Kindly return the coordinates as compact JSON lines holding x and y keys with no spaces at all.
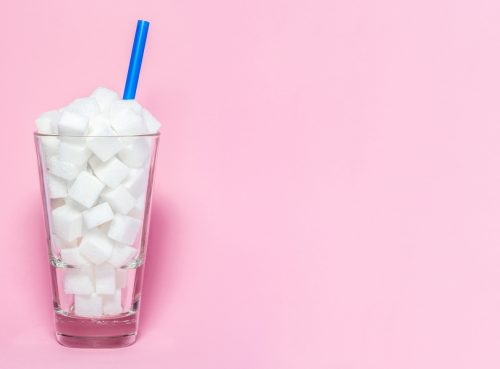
{"x":95,"y":162}
{"x":129,"y":124}
{"x":121,"y":255}
{"x":138,"y":209}
{"x":88,"y":305}
{"x":49,"y":146}
{"x":104,"y":147}
{"x":60,"y":244}
{"x":72,"y":124}
{"x":46,"y":123}
{"x":57,"y":187}
{"x":111,"y":172}
{"x":74,"y":140}
{"x":62,"y":169}
{"x":121,"y":108}
{"x":105,"y":279}
{"x":75,"y":205}
{"x":84,"y":106}
{"x":120,"y":200}
{"x":67,"y":222}
{"x":72,"y":256}
{"x":136,"y":152}
{"x":95,"y":246}
{"x":74,"y":153}
{"x":112,"y":304}
{"x":86,"y":189}
{"x":97,"y":215}
{"x":152,"y":124}
{"x":99,"y":121}
{"x":78,"y":281}
{"x":136,"y":181}
{"x":104,"y":97}
{"x":124,"y":229}
{"x":104,"y":228}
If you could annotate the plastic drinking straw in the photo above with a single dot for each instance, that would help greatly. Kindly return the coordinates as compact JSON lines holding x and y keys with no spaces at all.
{"x":134,"y":67}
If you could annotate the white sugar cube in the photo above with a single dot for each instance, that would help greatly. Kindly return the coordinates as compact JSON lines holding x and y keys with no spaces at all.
{"x":111,"y":172}
{"x":99,"y":121}
{"x":98,"y":215}
{"x":74,"y":140}
{"x":88,"y":305}
{"x":95,"y":246}
{"x":62,"y":169}
{"x":121,"y":278}
{"x":112,"y":304}
{"x":60,"y":244}
{"x":104,"y":97}
{"x":67,"y":222}
{"x":57,"y":187}
{"x":120,"y":108}
{"x":46,"y":123}
{"x":120,"y":200}
{"x":104,"y":147}
{"x":124,"y":229}
{"x":121,"y":255}
{"x":74,"y":153}
{"x":84,"y":106}
{"x":134,"y":105}
{"x":94,"y":162}
{"x":86,"y":189}
{"x":152,"y":124}
{"x":136,"y":181}
{"x":72,"y":124}
{"x":78,"y":281}
{"x":72,"y":256}
{"x":105,"y":279}
{"x":75,"y":205}
{"x":104,"y":228}
{"x":49,"y":146}
{"x":138,"y":209}
{"x":129,"y":124}
{"x":136,"y":152}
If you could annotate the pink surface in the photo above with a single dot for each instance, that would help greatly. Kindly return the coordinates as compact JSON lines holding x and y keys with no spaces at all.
{"x":328,"y":188}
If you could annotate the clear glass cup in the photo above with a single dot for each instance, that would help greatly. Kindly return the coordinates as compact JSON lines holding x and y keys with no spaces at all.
{"x":96,"y":195}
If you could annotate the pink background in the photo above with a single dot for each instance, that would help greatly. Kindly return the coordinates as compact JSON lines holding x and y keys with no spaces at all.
{"x":328,"y":183}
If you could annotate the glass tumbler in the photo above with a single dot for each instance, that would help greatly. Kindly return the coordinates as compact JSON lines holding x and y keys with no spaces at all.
{"x":96,"y":195}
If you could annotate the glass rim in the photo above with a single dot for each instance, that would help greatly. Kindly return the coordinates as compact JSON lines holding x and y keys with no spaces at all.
{"x":38,"y":134}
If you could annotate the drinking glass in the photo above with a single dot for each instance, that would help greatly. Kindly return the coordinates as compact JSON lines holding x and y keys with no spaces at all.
{"x":96,"y":245}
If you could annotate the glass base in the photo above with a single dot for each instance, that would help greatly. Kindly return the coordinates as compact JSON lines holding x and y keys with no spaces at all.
{"x":80,"y":332}
{"x":95,"y":342}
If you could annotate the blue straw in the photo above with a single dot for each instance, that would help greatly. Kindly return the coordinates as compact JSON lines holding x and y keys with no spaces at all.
{"x":134,"y":68}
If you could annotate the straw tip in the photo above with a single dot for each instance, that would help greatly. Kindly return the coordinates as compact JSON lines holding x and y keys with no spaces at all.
{"x":142,"y":21}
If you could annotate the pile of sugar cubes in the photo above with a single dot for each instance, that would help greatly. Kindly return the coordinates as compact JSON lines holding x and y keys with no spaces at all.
{"x":97,"y":185}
